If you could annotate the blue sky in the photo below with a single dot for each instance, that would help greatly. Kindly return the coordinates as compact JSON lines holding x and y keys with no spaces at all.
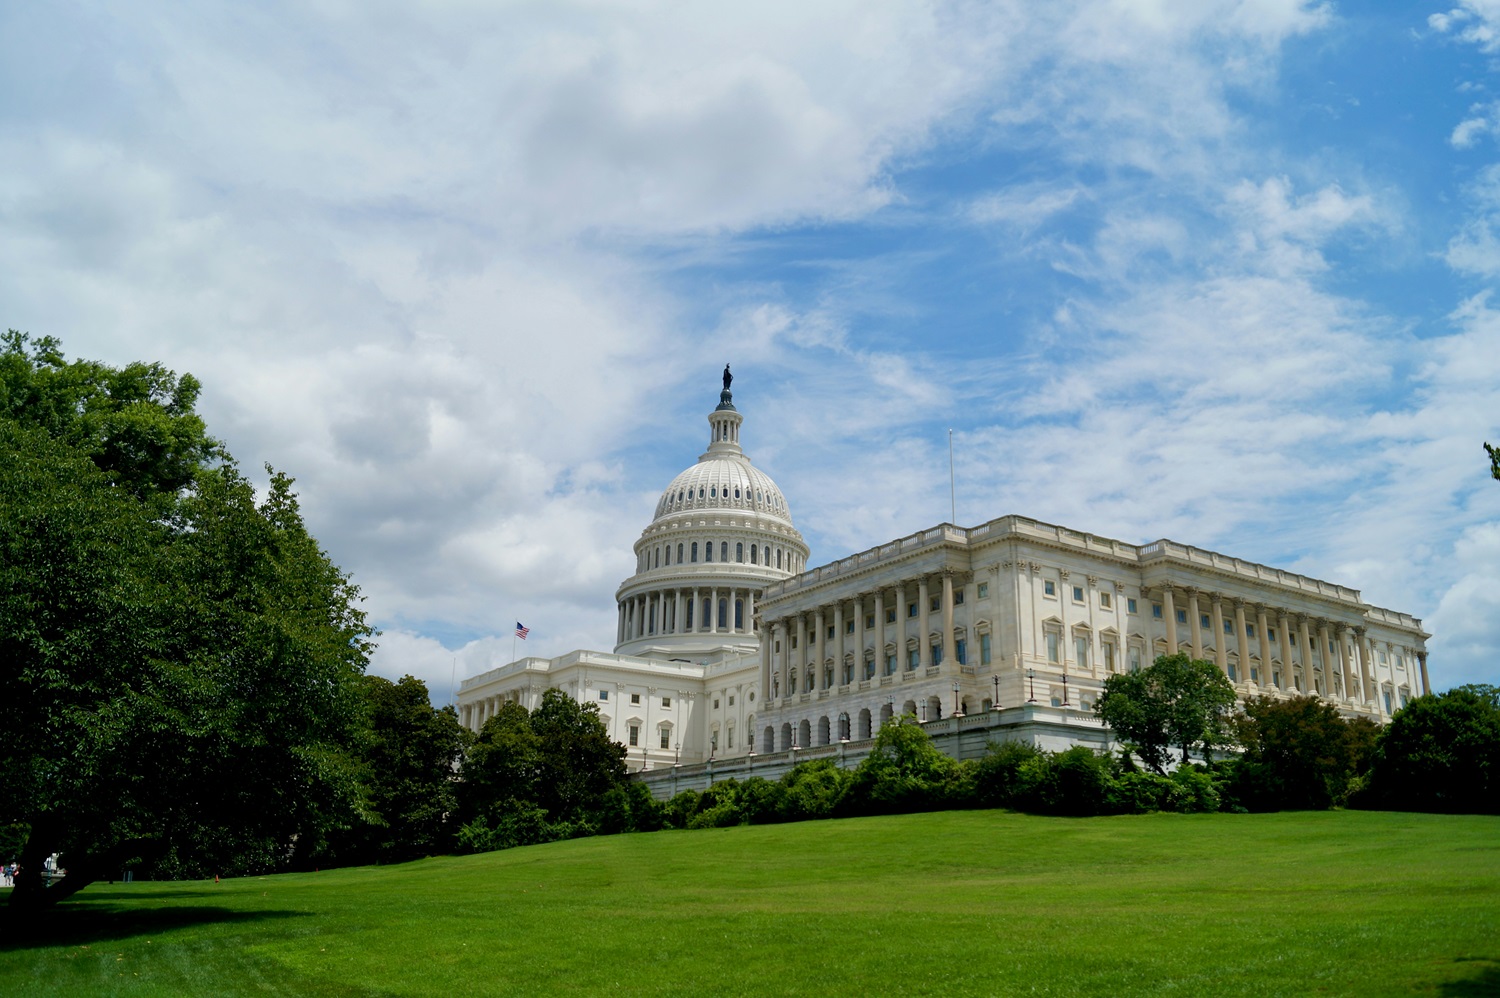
{"x":1216,"y":271}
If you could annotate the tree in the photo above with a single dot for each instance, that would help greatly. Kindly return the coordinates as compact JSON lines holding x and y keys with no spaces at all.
{"x":1300,"y":753}
{"x":1440,"y":753}
{"x":903,"y":772}
{"x":556,"y":765}
{"x":1494,"y":453}
{"x":179,"y":660}
{"x":1174,"y":702}
{"x":409,"y":754}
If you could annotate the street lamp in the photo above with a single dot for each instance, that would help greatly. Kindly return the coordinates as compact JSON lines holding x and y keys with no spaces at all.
{"x":1065,"y":689}
{"x":1031,"y":680}
{"x":676,"y":754}
{"x":956,"y":711}
{"x":996,"y":680}
{"x":923,"y":708}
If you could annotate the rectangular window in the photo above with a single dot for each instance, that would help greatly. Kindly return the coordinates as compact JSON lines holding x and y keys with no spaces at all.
{"x":1049,"y":588}
{"x":1270,"y":634}
{"x":731,"y":727}
{"x":984,"y":649}
{"x":1077,"y":594}
{"x":1051,"y":646}
{"x":911,"y":609}
{"x":890,"y":664}
{"x":1081,"y":649}
{"x":890,"y":616}
{"x":1104,"y":600}
{"x":1233,"y":673}
{"x":913,"y":658}
{"x":1109,"y":657}
{"x":666,"y":701}
{"x":716,"y":703}
{"x":1182,"y":616}
{"x":1228,"y":626}
{"x":1129,"y":605}
{"x":731,"y":699}
{"x":666,"y":737}
{"x":831,"y":632}
{"x":1204,"y":622}
{"x":849,"y":627}
{"x":958,"y":597}
{"x":1249,"y":630}
{"x":961,"y":651}
{"x":1135,"y":660}
{"x":1156,"y":611}
{"x":869,"y":622}
{"x":794,"y":641}
{"x":933,"y":604}
{"x":937,"y":654}
{"x":984,"y":590}
{"x":635,"y":698}
{"x":604,"y":694}
{"x":635,"y":734}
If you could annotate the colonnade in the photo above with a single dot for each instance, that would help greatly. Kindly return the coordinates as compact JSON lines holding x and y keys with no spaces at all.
{"x":884,"y":631}
{"x":1333,"y":658}
{"x":687,"y":610}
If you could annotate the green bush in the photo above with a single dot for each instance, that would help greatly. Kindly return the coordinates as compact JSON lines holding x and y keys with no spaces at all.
{"x":510,"y":824}
{"x":1198,"y":791}
{"x":681,"y":808}
{"x":997,"y":777}
{"x":814,"y":790}
{"x":761,"y":801}
{"x":1139,"y":792}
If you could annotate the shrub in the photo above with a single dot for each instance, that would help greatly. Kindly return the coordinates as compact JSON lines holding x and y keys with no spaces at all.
{"x":761,"y":802}
{"x":814,"y":790}
{"x":1198,"y":791}
{"x":997,"y":777}
{"x":1139,"y":792}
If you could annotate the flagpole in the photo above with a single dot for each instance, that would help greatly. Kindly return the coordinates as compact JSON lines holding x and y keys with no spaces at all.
{"x":952,"y":492}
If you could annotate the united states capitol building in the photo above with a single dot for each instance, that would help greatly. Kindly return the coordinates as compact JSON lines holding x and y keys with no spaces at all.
{"x":733,"y":656}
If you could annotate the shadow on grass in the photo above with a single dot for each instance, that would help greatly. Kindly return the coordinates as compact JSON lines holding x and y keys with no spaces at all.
{"x":65,"y":926}
{"x":1484,"y":984}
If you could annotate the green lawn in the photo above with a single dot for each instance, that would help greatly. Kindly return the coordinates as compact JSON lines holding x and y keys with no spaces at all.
{"x":962,"y":903}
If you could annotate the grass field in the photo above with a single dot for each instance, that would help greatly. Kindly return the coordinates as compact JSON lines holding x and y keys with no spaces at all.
{"x":961,"y":903}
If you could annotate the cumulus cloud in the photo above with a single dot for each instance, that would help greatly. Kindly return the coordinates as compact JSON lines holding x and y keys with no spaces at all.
{"x":461,"y":272}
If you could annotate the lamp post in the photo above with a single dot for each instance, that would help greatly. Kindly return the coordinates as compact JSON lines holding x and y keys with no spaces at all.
{"x":1065,"y":689}
{"x":957,"y":712}
{"x":676,"y":754}
{"x":996,"y":680}
{"x":1031,"y":680}
{"x":923,"y":709}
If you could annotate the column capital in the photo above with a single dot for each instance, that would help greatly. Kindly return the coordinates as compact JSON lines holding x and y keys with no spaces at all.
{"x":1360,"y":630}
{"x":1216,"y":598}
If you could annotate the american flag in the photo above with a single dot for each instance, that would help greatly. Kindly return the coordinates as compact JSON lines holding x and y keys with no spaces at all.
{"x":522,"y":630}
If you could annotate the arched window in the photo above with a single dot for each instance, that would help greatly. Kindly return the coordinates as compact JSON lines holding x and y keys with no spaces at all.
{"x":723,"y":550}
{"x":713,"y":492}
{"x":700,"y":492}
{"x":778,"y":557}
{"x":736,"y":492}
{"x":739,"y":553}
{"x":679,"y":554}
{"x":723,"y":613}
{"x":695,"y":551}
{"x":754,"y":548}
{"x":656,"y":558}
{"x":669,"y":554}
{"x":689,"y":622}
{"x":739,"y":615}
{"x":708,"y":551}
{"x":708,"y":609}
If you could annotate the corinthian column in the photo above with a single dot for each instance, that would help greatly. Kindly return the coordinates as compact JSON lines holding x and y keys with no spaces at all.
{"x":1169,"y":610}
{"x":950,"y":651}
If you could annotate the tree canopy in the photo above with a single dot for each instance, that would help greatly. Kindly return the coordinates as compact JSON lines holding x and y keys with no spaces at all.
{"x":1300,"y":753}
{"x":1176,"y":702}
{"x":1441,"y":753}
{"x":179,"y":658}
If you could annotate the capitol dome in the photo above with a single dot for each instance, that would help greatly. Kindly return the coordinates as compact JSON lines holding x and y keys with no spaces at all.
{"x":722,"y":531}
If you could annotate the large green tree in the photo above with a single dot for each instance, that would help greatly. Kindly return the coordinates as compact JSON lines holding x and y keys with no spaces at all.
{"x":1300,"y":753}
{"x":409,"y":753}
{"x":1441,"y":753}
{"x":179,"y":658}
{"x":1175,"y":702}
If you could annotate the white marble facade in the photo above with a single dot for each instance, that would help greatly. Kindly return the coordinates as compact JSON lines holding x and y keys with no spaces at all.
{"x":727,"y":644}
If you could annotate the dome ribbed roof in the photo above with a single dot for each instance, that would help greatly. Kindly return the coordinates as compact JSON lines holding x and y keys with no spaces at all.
{"x":724,"y":483}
